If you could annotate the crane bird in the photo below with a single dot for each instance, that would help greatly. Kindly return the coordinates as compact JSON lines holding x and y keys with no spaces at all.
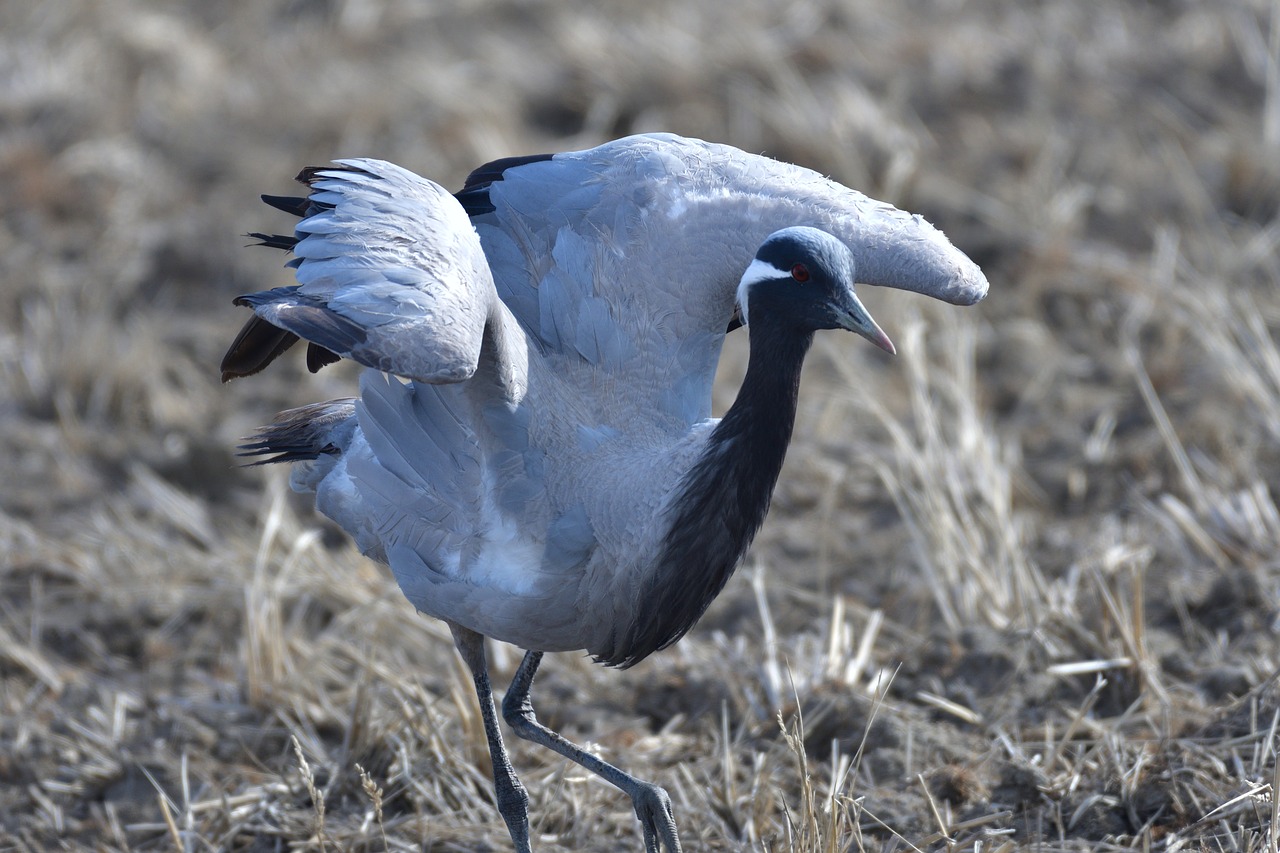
{"x":532,"y":450}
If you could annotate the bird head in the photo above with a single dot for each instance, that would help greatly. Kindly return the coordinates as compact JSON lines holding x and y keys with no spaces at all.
{"x":804,"y":277}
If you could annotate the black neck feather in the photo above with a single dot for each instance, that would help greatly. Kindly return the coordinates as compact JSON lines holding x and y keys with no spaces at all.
{"x":722,"y":500}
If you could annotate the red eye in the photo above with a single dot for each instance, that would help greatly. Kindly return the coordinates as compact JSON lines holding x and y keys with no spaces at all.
{"x":800,"y":272}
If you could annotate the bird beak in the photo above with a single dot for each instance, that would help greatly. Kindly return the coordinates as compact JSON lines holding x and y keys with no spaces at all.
{"x":851,"y":315}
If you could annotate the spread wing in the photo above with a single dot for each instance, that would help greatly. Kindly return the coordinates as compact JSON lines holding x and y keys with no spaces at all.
{"x":390,"y":274}
{"x":579,"y":253}
{"x":622,"y":261}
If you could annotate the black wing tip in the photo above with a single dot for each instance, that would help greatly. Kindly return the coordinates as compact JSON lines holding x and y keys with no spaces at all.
{"x":483,"y":176}
{"x":276,"y":453}
{"x":266,"y":297}
{"x":258,"y":344}
{"x":475,"y":201}
{"x":261,"y":342}
{"x":227,"y":374}
{"x":474,"y":195}
{"x":273,"y":241}
{"x":318,"y":357}
{"x":310,"y":174}
{"x":630,"y":657}
{"x":296,"y":205}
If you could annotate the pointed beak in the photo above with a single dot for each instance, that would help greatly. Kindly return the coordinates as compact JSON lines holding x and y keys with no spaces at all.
{"x":879,"y":338}
{"x":851,"y":315}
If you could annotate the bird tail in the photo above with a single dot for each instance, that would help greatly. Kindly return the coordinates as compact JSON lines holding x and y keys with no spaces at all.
{"x":304,"y":433}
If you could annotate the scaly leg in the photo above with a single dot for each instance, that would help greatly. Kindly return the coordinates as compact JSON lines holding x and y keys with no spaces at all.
{"x":652,"y":804}
{"x":513,"y":800}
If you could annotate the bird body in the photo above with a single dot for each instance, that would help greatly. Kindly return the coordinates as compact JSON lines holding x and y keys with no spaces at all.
{"x":532,"y":450}
{"x":522,"y":523}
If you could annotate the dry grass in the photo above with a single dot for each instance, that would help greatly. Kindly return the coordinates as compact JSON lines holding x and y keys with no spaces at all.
{"x":1021,"y":586}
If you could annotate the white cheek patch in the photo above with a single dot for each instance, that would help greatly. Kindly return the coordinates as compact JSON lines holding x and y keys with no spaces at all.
{"x":758,"y":271}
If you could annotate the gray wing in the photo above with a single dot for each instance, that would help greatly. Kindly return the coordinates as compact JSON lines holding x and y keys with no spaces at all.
{"x":623,"y":260}
{"x":390,"y":274}
{"x":560,"y":234}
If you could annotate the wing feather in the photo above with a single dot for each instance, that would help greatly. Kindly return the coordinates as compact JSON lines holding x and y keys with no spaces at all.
{"x":660,"y":228}
{"x":390,"y":274}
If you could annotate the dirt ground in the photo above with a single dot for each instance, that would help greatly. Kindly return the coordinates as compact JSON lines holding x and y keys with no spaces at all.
{"x":1020,"y":588}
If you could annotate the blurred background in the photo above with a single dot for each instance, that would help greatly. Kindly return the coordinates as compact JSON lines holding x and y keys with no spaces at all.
{"x":1021,"y":584}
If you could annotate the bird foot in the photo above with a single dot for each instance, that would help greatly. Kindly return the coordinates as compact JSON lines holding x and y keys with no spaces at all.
{"x":653,"y":808}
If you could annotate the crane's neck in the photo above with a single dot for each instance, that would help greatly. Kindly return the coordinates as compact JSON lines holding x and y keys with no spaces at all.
{"x":721,"y":501}
{"x":739,"y":467}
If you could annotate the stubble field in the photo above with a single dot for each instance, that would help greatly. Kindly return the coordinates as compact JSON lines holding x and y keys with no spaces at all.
{"x":1020,"y":588}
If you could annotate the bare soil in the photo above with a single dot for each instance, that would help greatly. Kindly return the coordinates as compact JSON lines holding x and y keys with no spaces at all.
{"x":1021,"y":585}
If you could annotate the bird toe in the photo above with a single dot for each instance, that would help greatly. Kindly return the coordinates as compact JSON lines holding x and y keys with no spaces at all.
{"x":653,"y":808}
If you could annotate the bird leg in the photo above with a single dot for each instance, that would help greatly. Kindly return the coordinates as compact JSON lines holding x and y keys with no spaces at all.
{"x":512,"y":798}
{"x":652,"y":804}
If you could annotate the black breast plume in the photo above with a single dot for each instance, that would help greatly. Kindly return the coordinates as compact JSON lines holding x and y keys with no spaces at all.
{"x":720,"y":504}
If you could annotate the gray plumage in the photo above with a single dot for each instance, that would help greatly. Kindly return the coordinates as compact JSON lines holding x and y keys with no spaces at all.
{"x":532,"y":452}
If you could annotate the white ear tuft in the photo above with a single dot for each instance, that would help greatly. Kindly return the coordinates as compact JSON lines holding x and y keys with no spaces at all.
{"x":758,"y":271}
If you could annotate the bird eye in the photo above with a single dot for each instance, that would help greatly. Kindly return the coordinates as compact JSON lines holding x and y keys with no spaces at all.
{"x":800,"y":272}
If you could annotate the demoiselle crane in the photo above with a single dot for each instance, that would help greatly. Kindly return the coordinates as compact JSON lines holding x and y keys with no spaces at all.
{"x":532,"y":450}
